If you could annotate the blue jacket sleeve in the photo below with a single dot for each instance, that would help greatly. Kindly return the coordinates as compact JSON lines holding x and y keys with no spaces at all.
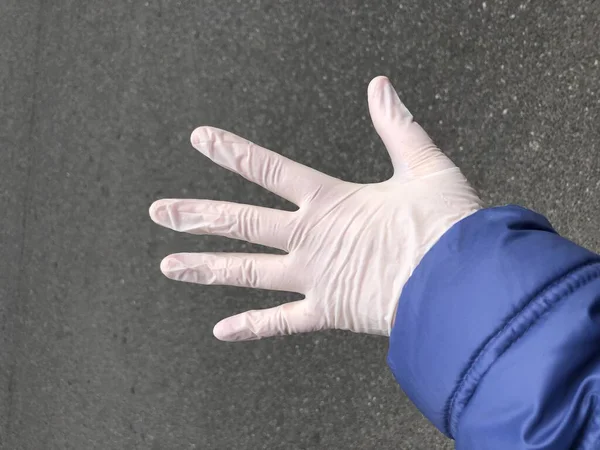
{"x":497,"y":335}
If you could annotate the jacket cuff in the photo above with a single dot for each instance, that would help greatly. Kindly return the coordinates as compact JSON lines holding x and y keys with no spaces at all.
{"x":458,"y":311}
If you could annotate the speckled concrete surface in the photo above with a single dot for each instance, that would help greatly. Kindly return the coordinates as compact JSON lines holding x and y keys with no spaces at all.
{"x":97,"y":100}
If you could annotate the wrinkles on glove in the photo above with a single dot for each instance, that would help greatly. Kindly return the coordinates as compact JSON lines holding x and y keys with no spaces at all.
{"x":254,"y":224}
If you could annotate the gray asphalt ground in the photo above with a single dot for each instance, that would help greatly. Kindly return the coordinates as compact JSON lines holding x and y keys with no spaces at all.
{"x":97,"y":100}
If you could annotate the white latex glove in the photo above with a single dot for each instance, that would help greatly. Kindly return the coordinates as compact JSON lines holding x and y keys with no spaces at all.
{"x":350,"y":247}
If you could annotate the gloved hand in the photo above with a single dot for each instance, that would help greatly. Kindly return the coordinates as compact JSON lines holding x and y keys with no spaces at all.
{"x":350,"y":247}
